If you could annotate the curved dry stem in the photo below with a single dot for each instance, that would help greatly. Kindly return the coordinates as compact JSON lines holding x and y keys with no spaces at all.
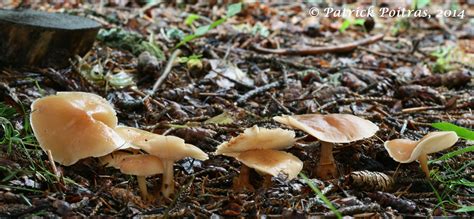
{"x":242,"y":182}
{"x":326,"y":168}
{"x":167,"y":187}
{"x":423,"y":159}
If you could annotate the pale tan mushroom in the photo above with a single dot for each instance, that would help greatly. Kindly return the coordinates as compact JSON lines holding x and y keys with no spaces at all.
{"x":140,"y":165}
{"x":168,"y":148}
{"x":75,"y":125}
{"x":257,"y":148}
{"x":330,"y":129}
{"x":258,"y":138}
{"x":135,"y":136}
{"x":272,"y":162}
{"x":407,"y":151}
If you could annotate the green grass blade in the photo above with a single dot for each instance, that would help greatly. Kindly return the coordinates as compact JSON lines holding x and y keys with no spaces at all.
{"x":454,"y":153}
{"x":460,"y":131}
{"x":465,"y":209}
{"x":321,"y":195}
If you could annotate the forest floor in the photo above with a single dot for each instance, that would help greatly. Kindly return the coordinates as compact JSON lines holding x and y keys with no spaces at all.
{"x":234,"y":74}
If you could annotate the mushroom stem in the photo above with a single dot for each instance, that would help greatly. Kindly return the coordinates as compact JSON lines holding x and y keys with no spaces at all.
{"x":167,"y":187}
{"x":423,"y":159}
{"x":326,"y":167}
{"x":243,"y":182}
{"x":142,"y":186}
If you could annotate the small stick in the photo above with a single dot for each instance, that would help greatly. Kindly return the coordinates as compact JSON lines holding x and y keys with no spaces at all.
{"x":342,"y":48}
{"x":421,"y":108}
{"x":284,"y":108}
{"x":53,"y":165}
{"x":144,"y":96}
{"x":256,"y":91}
{"x":165,"y":73}
{"x":356,"y":99}
{"x":396,"y":57}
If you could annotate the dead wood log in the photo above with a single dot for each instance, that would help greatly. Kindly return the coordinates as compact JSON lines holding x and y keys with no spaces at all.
{"x":33,"y":38}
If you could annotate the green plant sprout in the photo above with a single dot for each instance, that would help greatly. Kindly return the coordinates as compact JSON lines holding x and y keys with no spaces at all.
{"x":442,"y":59}
{"x":419,"y":4}
{"x":453,"y":178}
{"x":232,"y":10}
{"x":321,"y":195}
{"x":351,"y":22}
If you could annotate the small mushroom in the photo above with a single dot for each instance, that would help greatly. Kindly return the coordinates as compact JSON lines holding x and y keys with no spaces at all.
{"x":75,"y":125}
{"x":257,"y":148}
{"x":330,"y":129}
{"x":272,"y":162}
{"x":407,"y":151}
{"x":140,"y":165}
{"x":168,"y":148}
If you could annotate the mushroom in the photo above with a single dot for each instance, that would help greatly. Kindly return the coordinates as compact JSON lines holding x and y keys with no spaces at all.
{"x":407,"y":151}
{"x":330,"y":129}
{"x":140,"y":165}
{"x":75,"y":125}
{"x":168,"y":148}
{"x":257,"y":148}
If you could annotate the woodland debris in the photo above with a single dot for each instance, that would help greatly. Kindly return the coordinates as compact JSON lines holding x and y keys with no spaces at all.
{"x":342,"y":48}
{"x":165,"y":73}
{"x":357,"y":209}
{"x":450,"y":80}
{"x":387,"y":199}
{"x":148,"y":64}
{"x":370,"y":181}
{"x":423,"y":92}
{"x":257,"y":91}
{"x":44,"y":39}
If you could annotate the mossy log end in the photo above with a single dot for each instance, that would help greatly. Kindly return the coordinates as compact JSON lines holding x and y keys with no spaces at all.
{"x":33,"y":38}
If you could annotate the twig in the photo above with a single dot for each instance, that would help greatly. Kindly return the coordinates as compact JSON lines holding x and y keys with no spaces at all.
{"x":347,"y":47}
{"x":165,"y":73}
{"x":284,"y":108}
{"x":144,"y":96}
{"x":396,"y":57}
{"x":53,"y":165}
{"x":357,"y":209}
{"x":357,"y":99}
{"x":256,"y":91}
{"x":422,"y":108}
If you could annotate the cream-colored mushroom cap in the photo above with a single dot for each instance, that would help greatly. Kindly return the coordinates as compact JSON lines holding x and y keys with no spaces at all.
{"x":113,"y":159}
{"x":172,"y":148}
{"x":95,"y":106}
{"x":271,"y":162}
{"x":333,"y":128}
{"x":258,"y":138}
{"x":406,"y":151}
{"x":141,"y":165}
{"x":134,"y":136}
{"x":75,"y":126}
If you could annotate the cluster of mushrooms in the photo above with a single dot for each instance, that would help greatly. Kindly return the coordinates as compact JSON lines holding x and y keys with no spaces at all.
{"x":71,"y":126}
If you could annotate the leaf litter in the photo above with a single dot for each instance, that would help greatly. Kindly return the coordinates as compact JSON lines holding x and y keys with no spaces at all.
{"x":416,"y":75}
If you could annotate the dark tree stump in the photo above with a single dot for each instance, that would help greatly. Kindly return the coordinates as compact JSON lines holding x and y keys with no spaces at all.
{"x":33,"y":38}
